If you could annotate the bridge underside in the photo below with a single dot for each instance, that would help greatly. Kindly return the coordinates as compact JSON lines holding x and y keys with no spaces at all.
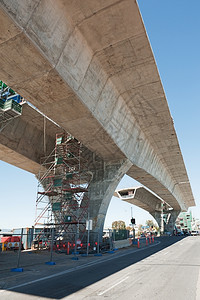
{"x":141,"y":197}
{"x":23,"y":141}
{"x":88,"y":66}
{"x":144,"y":199}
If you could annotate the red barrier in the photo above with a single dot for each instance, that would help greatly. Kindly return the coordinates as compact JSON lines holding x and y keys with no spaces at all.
{"x":6,"y":239}
{"x":138,"y":243}
{"x":68,"y":248}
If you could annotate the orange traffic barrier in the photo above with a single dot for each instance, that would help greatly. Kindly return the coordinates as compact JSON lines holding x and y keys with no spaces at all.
{"x":68,"y":248}
{"x":138,"y":243}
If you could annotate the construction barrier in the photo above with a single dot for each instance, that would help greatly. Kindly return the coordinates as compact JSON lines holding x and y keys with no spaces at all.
{"x":70,"y":243}
{"x":122,"y":243}
{"x":138,"y":243}
{"x":10,"y":243}
{"x":67,"y":248}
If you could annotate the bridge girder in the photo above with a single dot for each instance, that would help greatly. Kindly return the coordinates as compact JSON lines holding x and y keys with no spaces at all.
{"x":99,"y":81}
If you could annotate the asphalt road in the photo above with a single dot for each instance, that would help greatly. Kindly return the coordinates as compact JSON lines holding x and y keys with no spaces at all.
{"x":169,"y":270}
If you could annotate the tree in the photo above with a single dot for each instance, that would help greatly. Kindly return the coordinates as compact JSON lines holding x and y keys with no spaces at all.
{"x":140,"y":230}
{"x":118,"y":225}
{"x":130,"y":228}
{"x":140,"y":227}
{"x":150,"y":223}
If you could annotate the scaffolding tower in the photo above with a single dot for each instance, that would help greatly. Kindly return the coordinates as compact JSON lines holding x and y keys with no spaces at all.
{"x":62,"y":198}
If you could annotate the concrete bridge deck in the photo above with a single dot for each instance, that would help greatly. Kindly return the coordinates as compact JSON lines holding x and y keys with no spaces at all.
{"x":90,"y":68}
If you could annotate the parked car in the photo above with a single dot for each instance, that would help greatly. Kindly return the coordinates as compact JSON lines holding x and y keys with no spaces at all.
{"x":186,"y":233}
{"x":194,"y":232}
{"x":168,"y":233}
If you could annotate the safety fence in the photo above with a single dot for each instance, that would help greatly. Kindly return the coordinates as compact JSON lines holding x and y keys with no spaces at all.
{"x":49,"y":243}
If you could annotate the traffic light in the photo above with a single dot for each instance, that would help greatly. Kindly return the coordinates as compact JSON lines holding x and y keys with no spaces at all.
{"x":133,"y":221}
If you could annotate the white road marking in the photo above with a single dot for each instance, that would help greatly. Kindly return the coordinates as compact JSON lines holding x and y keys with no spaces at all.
{"x":111,"y":287}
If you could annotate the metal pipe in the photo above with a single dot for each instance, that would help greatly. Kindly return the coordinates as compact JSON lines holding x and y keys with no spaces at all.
{"x":52,"y":238}
{"x":20,"y":247}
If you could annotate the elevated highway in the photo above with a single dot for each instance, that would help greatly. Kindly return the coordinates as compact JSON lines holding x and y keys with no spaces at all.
{"x":22,"y":140}
{"x":89,"y":67}
{"x":146,"y":200}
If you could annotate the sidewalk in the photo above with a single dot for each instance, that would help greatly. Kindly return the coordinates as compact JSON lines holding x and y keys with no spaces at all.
{"x":34,"y":266}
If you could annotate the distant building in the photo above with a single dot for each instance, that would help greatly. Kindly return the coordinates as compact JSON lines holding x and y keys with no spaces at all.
{"x":184,"y":222}
{"x":5,"y":232}
{"x":28,"y":235}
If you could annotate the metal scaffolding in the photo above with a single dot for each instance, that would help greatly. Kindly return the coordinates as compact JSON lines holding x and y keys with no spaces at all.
{"x":62,"y":198}
{"x":10,"y":106}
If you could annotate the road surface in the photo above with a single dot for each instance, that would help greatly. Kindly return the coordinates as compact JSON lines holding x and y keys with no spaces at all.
{"x":169,"y":270}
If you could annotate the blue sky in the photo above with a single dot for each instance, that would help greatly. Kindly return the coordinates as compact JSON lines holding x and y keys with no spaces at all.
{"x":173,"y":30}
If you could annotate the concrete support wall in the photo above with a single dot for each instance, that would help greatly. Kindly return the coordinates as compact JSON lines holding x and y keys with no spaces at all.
{"x":157,"y":216}
{"x":169,"y":227}
{"x":171,"y":223}
{"x":122,"y":243}
{"x":101,"y":190}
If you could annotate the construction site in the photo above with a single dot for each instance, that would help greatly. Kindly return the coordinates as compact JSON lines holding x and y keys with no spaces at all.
{"x":62,"y":211}
{"x":62,"y":205}
{"x":63,"y":201}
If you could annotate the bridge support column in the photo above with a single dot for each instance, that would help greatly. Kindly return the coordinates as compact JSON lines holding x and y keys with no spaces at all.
{"x":158,"y":217}
{"x":101,"y":190}
{"x":171,"y":222}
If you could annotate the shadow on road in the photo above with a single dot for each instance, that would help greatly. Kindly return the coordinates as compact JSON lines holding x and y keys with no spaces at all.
{"x":63,"y":285}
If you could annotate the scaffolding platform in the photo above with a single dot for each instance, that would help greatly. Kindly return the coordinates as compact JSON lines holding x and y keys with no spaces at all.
{"x":63,"y":189}
{"x":10,"y":106}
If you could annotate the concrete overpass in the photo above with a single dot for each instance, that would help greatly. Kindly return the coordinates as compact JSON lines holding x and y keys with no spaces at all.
{"x":22,"y":140}
{"x":146,"y":200}
{"x":89,"y":67}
